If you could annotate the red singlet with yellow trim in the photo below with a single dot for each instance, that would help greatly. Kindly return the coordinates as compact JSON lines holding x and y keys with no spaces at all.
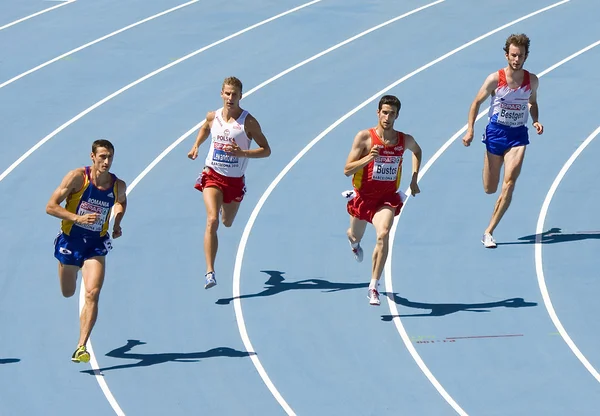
{"x":382,"y":175}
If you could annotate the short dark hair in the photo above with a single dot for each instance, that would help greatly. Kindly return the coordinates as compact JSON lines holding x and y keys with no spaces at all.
{"x":390,"y":100}
{"x":102,"y":143}
{"x":520,"y":40}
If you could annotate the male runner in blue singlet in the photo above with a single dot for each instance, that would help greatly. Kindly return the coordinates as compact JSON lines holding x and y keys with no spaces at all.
{"x":91,"y":193}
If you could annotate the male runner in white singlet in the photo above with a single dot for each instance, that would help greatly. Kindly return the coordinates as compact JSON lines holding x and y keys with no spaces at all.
{"x":513,"y":93}
{"x":232,"y":130}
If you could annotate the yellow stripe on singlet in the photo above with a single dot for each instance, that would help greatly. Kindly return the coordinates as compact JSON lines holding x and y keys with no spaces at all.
{"x":357,"y":179}
{"x":399,"y":175}
{"x":72,"y":205}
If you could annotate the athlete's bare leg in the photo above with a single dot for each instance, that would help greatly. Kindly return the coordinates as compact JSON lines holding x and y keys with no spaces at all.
{"x":382,"y":221}
{"x":228,"y":213}
{"x":93,"y":278}
{"x":513,"y":161}
{"x":492,"y":164}
{"x":213,"y":200}
{"x":357,"y":230}
{"x":67,"y":276}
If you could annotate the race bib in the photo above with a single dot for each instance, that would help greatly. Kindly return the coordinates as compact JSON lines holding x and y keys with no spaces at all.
{"x":222,"y":158}
{"x":512,"y":115}
{"x":385,"y":168}
{"x":88,"y":208}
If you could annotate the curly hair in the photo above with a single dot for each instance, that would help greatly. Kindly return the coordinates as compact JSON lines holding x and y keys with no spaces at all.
{"x":520,"y":40}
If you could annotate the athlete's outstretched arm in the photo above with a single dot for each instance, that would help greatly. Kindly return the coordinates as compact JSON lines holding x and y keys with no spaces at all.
{"x":411,"y":144}
{"x":71,"y":183}
{"x":533,"y":105}
{"x":488,"y":87}
{"x":202,"y":135}
{"x":360,"y":155}
{"x":119,"y":208}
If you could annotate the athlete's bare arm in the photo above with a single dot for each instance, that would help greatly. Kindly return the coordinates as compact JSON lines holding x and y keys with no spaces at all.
{"x":361,"y":153}
{"x":487,"y":89}
{"x":533,"y":105}
{"x":202,"y":135}
{"x":254,"y":132}
{"x":411,"y":144}
{"x":71,"y":183}
{"x":119,"y":208}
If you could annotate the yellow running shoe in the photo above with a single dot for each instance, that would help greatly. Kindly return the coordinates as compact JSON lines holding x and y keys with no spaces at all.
{"x":81,"y":355}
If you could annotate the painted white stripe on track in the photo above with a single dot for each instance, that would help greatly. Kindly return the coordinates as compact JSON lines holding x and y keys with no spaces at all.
{"x":93,"y":361}
{"x":36,"y":14}
{"x":271,"y":187}
{"x":110,"y":35}
{"x":139,"y":81}
{"x":539,"y":265}
{"x":236,"y":281}
{"x":262,"y":200}
{"x":426,"y":167}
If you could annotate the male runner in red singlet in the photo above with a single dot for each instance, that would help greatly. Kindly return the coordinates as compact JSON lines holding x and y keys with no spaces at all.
{"x":513,"y":93}
{"x":232,"y":130}
{"x":375,"y":160}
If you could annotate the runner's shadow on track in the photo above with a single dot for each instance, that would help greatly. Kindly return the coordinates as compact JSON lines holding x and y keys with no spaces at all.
{"x":146,"y":360}
{"x":442,"y":309}
{"x":277,"y":285}
{"x":553,"y":236}
{"x":9,"y":360}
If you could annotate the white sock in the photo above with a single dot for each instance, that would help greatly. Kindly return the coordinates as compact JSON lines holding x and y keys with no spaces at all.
{"x":354,"y":245}
{"x":374,"y":284}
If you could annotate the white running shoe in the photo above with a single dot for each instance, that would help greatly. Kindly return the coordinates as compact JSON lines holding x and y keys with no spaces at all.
{"x":488,"y":241}
{"x":358,"y":253}
{"x":374,"y":297}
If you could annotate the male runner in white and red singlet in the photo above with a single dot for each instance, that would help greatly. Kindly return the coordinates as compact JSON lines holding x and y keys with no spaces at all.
{"x":375,"y":160}
{"x":513,"y":93}
{"x":232,"y":130}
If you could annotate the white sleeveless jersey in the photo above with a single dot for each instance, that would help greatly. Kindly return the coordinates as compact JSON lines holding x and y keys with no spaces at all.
{"x":509,"y":107}
{"x":222,"y":134}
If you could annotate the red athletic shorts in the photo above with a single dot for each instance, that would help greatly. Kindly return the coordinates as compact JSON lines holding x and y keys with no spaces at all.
{"x":233,"y":188}
{"x":365,"y":208}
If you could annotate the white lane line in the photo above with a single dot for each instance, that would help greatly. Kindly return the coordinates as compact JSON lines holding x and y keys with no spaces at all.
{"x":430,"y":162}
{"x":266,"y":194}
{"x":267,"y":82}
{"x":110,"y":35}
{"x":262,"y":200}
{"x":36,"y":14}
{"x":139,"y":81}
{"x":539,"y":268}
{"x":236,"y":280}
{"x":93,"y":361}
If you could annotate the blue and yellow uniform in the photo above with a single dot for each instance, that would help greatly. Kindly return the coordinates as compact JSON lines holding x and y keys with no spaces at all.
{"x":78,"y":242}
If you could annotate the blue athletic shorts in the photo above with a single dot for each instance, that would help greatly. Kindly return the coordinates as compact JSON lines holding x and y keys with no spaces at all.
{"x":75,"y":250}
{"x":499,"y":139}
